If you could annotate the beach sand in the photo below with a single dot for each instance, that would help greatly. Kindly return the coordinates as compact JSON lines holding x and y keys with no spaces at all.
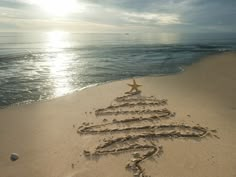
{"x":179,"y":125}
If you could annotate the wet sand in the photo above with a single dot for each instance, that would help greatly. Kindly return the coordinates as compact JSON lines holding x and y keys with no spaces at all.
{"x":179,"y":125}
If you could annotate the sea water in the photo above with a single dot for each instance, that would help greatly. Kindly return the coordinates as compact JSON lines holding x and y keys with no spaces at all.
{"x":40,"y":66}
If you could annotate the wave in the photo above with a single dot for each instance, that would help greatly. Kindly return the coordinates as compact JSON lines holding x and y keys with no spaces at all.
{"x":31,"y":73}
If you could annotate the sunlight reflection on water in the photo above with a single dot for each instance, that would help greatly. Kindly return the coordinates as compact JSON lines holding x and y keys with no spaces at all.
{"x":59,"y":63}
{"x":41,"y":66}
{"x":57,"y":41}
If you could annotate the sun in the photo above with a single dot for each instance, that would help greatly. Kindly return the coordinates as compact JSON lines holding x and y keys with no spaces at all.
{"x":59,"y":7}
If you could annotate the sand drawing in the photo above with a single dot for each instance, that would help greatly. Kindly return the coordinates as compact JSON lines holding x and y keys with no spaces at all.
{"x":138,"y":134}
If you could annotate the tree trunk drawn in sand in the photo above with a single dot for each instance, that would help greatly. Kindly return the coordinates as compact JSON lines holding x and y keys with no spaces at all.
{"x":146,"y":124}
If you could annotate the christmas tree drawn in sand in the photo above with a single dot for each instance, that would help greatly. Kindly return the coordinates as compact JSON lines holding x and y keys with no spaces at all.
{"x":139,"y":124}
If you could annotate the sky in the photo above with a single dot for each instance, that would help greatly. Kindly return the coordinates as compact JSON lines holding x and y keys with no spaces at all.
{"x":118,"y":15}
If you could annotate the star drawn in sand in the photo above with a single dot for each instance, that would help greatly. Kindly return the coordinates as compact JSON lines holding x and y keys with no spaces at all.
{"x":134,"y":87}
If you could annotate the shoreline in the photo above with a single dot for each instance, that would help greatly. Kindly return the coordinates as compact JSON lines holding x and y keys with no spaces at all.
{"x":182,"y":68}
{"x":198,"y":103}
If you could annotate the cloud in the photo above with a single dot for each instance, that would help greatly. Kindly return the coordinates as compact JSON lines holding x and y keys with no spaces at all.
{"x":175,"y":15}
{"x":194,"y":11}
{"x":153,"y":18}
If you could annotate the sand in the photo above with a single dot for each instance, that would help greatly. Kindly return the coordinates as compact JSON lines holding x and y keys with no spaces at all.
{"x":179,"y":125}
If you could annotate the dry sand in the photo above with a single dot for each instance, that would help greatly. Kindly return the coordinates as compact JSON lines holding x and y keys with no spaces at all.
{"x":180,"y":125}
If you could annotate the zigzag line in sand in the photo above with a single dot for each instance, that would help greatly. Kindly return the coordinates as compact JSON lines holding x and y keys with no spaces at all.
{"x":130,"y":105}
{"x":92,"y":129}
{"x":131,"y":98}
{"x":134,"y":165}
{"x":148,"y":111}
{"x":89,"y":129}
{"x":143,"y":132}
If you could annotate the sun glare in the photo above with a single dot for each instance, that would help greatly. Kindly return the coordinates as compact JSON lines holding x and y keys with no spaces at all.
{"x":59,"y":61}
{"x":59,"y":7}
{"x":56,"y":41}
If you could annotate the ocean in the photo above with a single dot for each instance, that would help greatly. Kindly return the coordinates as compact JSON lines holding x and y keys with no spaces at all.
{"x":42,"y":66}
